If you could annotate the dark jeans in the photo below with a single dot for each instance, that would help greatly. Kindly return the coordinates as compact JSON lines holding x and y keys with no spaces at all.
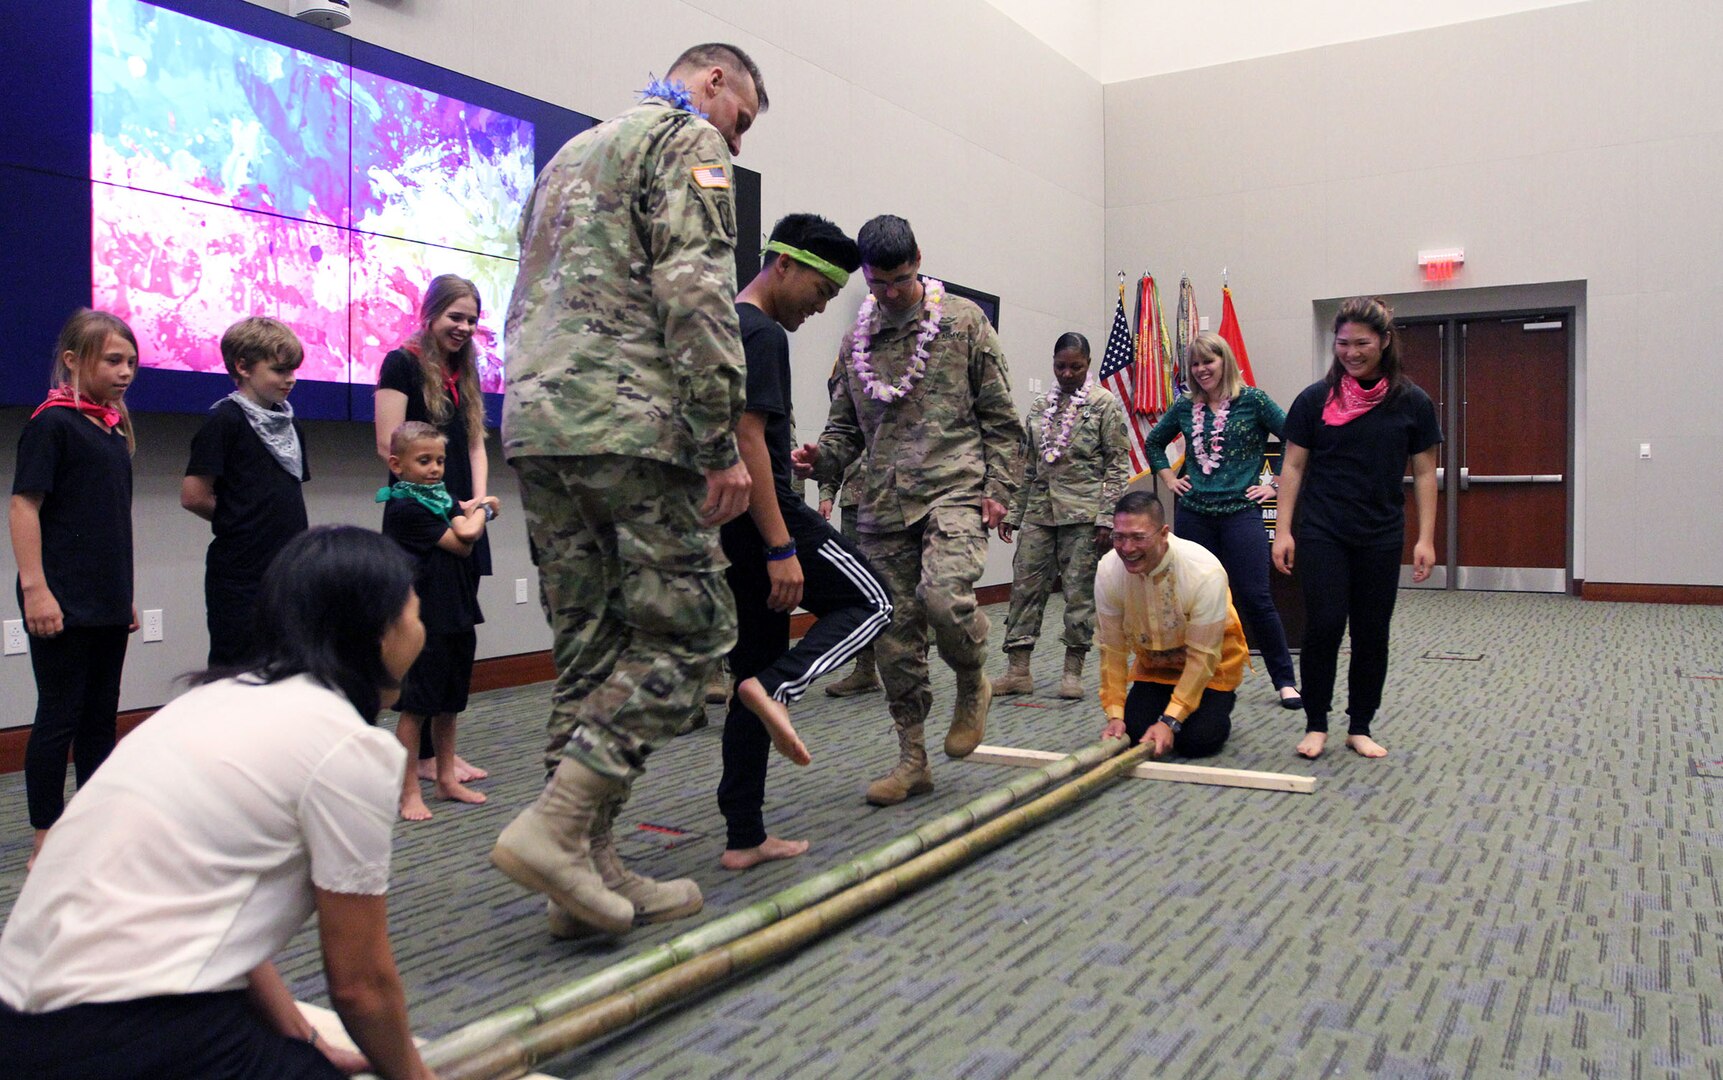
{"x":852,"y":606}
{"x":1345,"y":585}
{"x":77,"y":699}
{"x":1204,"y":731}
{"x":174,"y":1036}
{"x":1241,"y":544}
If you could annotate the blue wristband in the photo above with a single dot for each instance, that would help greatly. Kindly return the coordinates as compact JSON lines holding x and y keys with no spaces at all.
{"x":779,"y":554}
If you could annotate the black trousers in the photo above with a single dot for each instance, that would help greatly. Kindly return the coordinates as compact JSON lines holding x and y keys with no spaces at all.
{"x":189,"y":1036}
{"x":228,"y":604}
{"x":1204,"y":731}
{"x":77,"y":699}
{"x":1345,"y":586}
{"x":852,"y":605}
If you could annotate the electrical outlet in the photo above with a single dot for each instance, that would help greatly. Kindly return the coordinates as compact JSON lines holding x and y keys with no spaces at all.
{"x":1202,"y":322}
{"x":153,"y":624}
{"x":520,"y":590}
{"x":15,"y":643}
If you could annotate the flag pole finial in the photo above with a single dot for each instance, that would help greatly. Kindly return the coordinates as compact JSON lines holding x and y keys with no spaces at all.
{"x":1224,"y":282}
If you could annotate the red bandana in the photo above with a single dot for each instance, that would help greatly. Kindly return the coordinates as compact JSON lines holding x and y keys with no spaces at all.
{"x":62,"y":396}
{"x":1350,"y":401}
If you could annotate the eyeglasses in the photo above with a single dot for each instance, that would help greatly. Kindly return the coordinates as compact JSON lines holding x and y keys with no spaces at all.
{"x":880,"y":285}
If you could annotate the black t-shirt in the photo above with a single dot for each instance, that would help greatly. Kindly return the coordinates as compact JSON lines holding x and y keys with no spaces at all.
{"x":447,"y":585}
{"x":259,"y":505}
{"x":400,"y":371}
{"x":1353,"y":490}
{"x":767,"y":350}
{"x":84,"y":474}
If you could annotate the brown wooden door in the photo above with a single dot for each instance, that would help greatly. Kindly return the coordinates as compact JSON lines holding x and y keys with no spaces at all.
{"x":1512,"y":454}
{"x":1422,"y":358}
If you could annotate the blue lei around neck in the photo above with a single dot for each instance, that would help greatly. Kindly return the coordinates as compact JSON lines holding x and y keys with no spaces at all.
{"x":675,"y":91}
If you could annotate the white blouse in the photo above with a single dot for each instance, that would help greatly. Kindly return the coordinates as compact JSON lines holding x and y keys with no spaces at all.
{"x":190,"y":857}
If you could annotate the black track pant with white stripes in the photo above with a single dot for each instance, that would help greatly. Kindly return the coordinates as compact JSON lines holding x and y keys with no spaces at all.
{"x":852,"y":606}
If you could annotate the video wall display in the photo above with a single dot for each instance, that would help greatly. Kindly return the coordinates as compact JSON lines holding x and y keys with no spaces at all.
{"x":215,"y":160}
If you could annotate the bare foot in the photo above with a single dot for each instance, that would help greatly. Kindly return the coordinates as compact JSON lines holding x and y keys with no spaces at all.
{"x":773,"y":848}
{"x":464,"y":772}
{"x":776,"y":716}
{"x":413,"y":808}
{"x":1312,"y":744}
{"x":1365,"y":746}
{"x":459,"y":792}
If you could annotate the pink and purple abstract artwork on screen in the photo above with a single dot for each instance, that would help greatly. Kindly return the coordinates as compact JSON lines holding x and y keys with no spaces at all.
{"x":235,"y":176}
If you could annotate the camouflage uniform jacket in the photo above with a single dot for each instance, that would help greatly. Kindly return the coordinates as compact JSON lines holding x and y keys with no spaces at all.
{"x":1088,"y":479}
{"x":952,"y":440}
{"x":847,"y":491}
{"x":622,"y":335}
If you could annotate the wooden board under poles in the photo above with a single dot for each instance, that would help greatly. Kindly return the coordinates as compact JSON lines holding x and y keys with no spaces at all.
{"x":1161,"y":770}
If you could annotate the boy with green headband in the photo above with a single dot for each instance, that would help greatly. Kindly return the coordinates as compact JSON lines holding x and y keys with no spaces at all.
{"x":421,"y":516}
{"x":783,"y":554}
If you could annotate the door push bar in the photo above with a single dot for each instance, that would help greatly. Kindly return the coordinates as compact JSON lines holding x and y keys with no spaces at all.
{"x":1467,"y":479}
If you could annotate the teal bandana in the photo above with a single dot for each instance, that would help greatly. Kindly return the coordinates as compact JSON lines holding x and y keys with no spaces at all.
{"x":433,"y":497}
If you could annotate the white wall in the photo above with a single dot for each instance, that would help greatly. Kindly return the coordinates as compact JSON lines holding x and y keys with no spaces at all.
{"x":1115,"y":40}
{"x":1579,"y":143}
{"x":948,"y":114}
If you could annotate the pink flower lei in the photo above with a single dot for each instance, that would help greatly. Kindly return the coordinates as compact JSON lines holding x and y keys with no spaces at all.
{"x":1053,"y":446}
{"x":861,"y":347}
{"x":1208,"y":454}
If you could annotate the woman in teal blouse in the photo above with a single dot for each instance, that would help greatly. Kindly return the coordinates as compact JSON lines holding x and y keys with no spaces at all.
{"x":1226,"y":425}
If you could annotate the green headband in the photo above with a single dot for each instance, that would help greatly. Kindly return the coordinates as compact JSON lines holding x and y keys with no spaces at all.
{"x":807,"y":258}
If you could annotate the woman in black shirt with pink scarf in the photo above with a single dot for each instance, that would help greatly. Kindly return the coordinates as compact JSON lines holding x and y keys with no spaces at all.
{"x":1348,"y":438}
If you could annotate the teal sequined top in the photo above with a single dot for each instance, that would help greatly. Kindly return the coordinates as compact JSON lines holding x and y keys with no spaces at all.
{"x":1250,"y":420}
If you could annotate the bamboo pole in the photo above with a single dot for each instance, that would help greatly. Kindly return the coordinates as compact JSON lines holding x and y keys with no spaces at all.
{"x":517,"y":1054}
{"x":486,"y":1031}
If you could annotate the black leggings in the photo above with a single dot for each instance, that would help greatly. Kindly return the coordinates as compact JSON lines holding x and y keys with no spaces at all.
{"x":1345,"y":585}
{"x":1204,"y":731}
{"x":77,"y":700}
{"x":203,"y":1035}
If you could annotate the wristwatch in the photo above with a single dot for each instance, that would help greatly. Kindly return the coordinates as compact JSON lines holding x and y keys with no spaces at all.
{"x":1176,"y":725}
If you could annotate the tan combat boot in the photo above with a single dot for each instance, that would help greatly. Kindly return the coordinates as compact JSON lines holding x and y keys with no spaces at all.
{"x":910,"y":776}
{"x":717,"y":689}
{"x":1016,"y":679}
{"x":654,"y":901}
{"x":969,"y":716}
{"x":863,"y":680}
{"x":547,"y":848}
{"x":1071,"y":683}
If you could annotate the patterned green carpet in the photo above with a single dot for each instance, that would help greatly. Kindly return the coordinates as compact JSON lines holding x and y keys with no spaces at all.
{"x":1527,"y":886}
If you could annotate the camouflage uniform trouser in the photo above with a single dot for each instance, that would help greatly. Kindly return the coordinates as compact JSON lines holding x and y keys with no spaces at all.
{"x":847,"y":516}
{"x":931,"y":568}
{"x":1045,"y":552}
{"x":633,"y":586}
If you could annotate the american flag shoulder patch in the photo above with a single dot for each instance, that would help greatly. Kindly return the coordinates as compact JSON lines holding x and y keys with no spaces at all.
{"x":711,"y":176}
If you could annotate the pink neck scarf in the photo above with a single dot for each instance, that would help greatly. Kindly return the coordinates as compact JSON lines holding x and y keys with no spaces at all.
{"x":1350,"y":401}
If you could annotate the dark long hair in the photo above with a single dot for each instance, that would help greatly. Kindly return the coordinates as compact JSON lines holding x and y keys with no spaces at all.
{"x":1377,"y":315}
{"x":326,"y":602}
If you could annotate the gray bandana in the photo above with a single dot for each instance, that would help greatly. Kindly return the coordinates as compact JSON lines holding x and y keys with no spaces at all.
{"x":276,"y":430}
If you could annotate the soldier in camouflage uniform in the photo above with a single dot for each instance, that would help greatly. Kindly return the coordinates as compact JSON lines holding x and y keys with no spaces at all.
{"x":624,"y":388}
{"x":1078,"y":466}
{"x":941,"y":453}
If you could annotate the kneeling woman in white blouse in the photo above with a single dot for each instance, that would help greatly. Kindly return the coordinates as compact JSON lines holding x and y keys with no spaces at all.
{"x":141,"y":942}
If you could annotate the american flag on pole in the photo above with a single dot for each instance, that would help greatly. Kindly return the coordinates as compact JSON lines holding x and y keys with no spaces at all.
{"x":1117,"y":363}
